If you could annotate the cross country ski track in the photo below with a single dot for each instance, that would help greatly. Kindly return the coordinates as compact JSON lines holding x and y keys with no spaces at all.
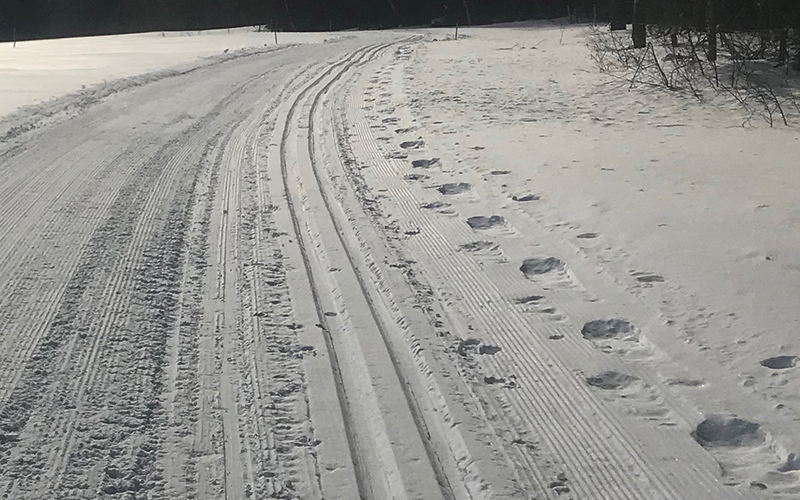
{"x":266,"y":278}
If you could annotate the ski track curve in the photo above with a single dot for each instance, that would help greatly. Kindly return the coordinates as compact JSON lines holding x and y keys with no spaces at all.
{"x":238,"y":283}
{"x":391,"y":465}
{"x":114,"y":379}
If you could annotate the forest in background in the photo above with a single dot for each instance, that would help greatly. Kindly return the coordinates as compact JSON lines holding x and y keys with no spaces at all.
{"x":28,"y":19}
{"x":58,"y":18}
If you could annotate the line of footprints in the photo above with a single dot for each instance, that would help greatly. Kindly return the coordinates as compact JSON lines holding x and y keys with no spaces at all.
{"x":725,"y":436}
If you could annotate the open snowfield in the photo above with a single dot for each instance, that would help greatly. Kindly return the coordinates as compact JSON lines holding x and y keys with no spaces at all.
{"x":389,"y":265}
{"x":39,"y":70}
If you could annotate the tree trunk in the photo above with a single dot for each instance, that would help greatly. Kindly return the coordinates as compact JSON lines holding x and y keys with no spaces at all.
{"x":617,"y":15}
{"x":783,"y":49}
{"x":797,"y":59}
{"x":289,"y":15}
{"x":711,"y":17}
{"x":466,"y":11}
{"x":639,"y":34}
{"x":397,"y":14}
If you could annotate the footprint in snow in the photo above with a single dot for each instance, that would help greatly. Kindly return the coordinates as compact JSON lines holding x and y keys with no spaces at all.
{"x":507,"y":383}
{"x":482,"y":222}
{"x":412,"y":144}
{"x":467,"y":345}
{"x":434,"y":204}
{"x":728,"y":431}
{"x":536,"y":266}
{"x":453,"y":188}
{"x":633,"y":395}
{"x":490,"y":350}
{"x":480,"y":246}
{"x":527,"y":197}
{"x":742,"y":446}
{"x":612,"y":381}
{"x":643,"y":277}
{"x":428,"y":163}
{"x":604,"y":329}
{"x":484,"y":248}
{"x":530,"y":299}
{"x":686,"y":382}
{"x":780,"y":362}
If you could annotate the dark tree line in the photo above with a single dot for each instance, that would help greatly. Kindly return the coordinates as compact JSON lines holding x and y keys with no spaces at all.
{"x":55,"y":18}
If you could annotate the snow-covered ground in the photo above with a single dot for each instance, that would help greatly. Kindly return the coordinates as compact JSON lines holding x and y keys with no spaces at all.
{"x":391,"y":266}
{"x":39,"y":70}
{"x":664,"y":211}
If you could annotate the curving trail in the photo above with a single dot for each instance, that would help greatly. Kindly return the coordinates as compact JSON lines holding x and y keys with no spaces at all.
{"x":266,"y":278}
{"x":150,"y":345}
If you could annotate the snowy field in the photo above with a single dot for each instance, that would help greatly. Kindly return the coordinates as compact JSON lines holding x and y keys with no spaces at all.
{"x":390,"y":265}
{"x":39,"y":70}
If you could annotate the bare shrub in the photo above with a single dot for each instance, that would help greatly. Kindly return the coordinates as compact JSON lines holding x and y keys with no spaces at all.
{"x":676,"y":60}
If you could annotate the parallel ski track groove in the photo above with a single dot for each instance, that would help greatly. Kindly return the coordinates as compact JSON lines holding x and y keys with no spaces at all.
{"x":576,"y":384}
{"x":86,"y":363}
{"x":582,"y":347}
{"x":231,"y":190}
{"x":364,"y":489}
{"x":531,"y":477}
{"x":122,"y":278}
{"x":185,"y":317}
{"x":411,"y":209}
{"x":42,"y":183}
{"x":23,"y":345}
{"x":702,"y":477}
{"x":533,"y":367}
{"x":471,"y":282}
{"x":256,"y":371}
{"x":416,"y":412}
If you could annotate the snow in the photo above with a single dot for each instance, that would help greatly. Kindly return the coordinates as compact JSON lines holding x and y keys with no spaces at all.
{"x":678,"y":187}
{"x":39,"y":70}
{"x":478,"y":264}
{"x":695,"y":215}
